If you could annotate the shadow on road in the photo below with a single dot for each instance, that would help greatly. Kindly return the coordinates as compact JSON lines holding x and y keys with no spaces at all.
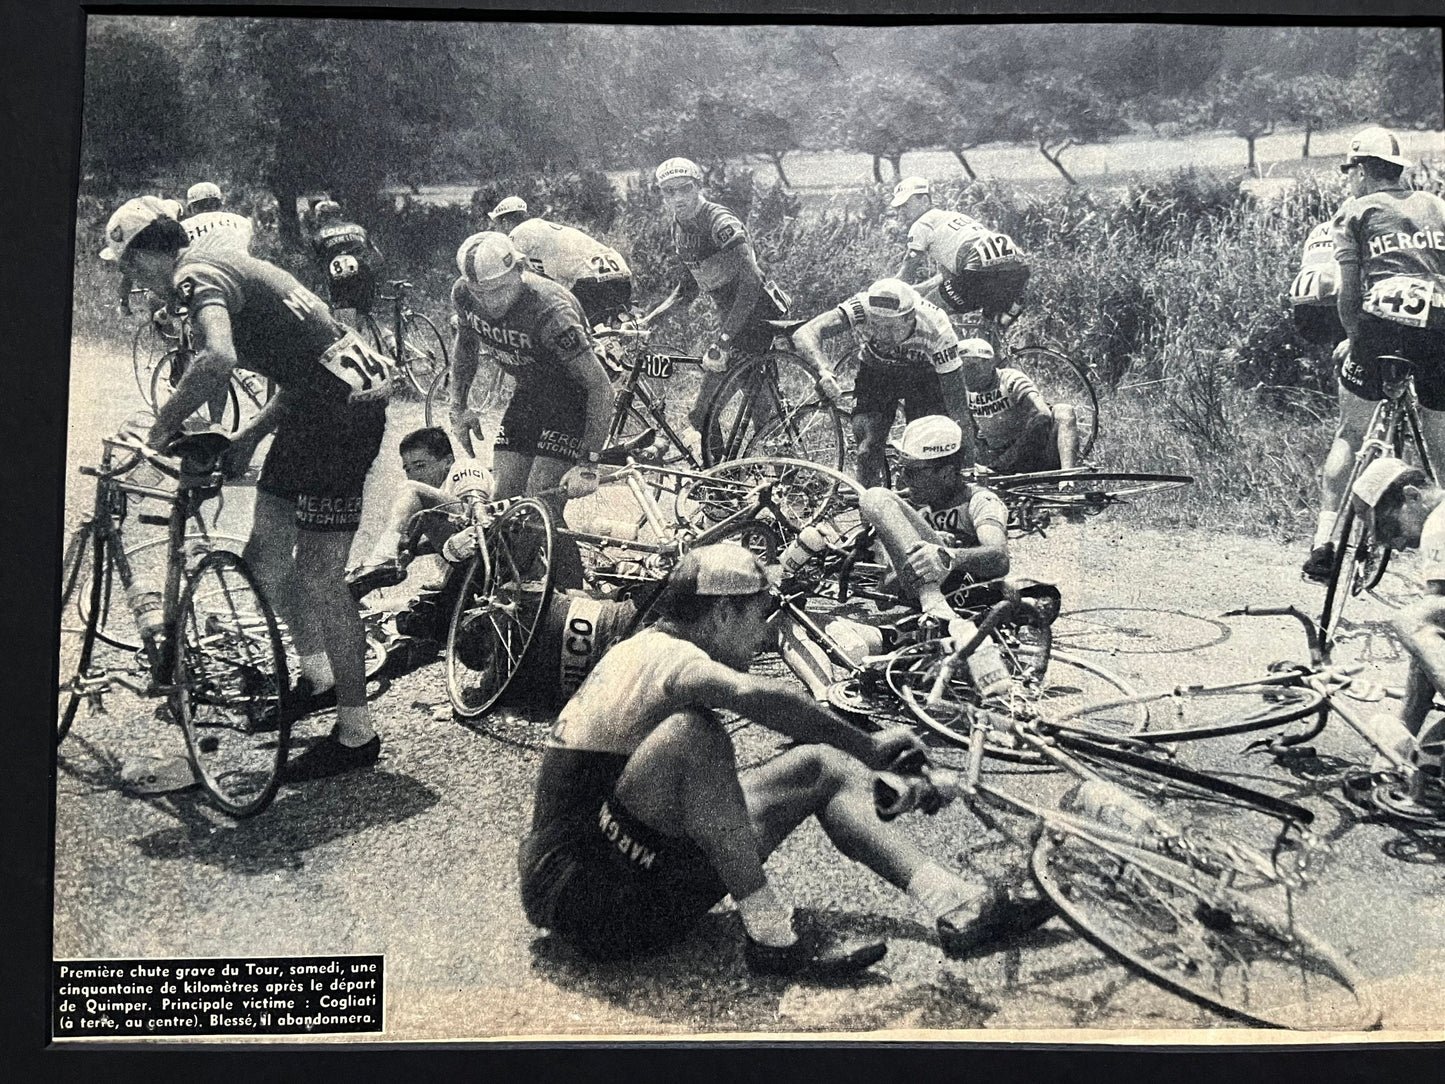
{"x":1138,"y":630}
{"x":310,"y":815}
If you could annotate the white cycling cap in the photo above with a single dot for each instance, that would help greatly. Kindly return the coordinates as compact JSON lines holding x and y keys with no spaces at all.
{"x":909,"y":187}
{"x":723,"y":569}
{"x":975,"y":348}
{"x":1374,"y":143}
{"x":130,"y":218}
{"x":510,"y":206}
{"x":675,"y":169}
{"x":890,"y":299}
{"x":202,"y":190}
{"x":487,"y":255}
{"x":932,"y":436}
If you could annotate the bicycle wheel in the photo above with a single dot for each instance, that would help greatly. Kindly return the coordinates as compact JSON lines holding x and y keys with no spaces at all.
{"x":232,"y":693}
{"x":771,"y":392}
{"x":1084,"y":490}
{"x":812,"y":432}
{"x":423,"y":350}
{"x":503,"y":599}
{"x":798,"y":493}
{"x":1341,"y":585}
{"x":1062,"y":380}
{"x":163,"y":384}
{"x":667,"y":448}
{"x":80,"y":582}
{"x":147,"y":348}
{"x":1213,"y":945}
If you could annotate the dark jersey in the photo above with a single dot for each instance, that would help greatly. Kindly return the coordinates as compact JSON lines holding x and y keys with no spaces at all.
{"x":280,"y":328}
{"x":340,"y":239}
{"x":1394,"y":232}
{"x":544,"y":325}
{"x":701,"y":243}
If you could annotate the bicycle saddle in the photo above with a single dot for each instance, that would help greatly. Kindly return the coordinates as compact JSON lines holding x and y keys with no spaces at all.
{"x":785,"y":327}
{"x":617,"y":454}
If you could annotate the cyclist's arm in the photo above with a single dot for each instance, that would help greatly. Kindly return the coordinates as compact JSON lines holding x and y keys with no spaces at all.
{"x":747,"y":279}
{"x":466,"y":356}
{"x":912,"y":264}
{"x":205,"y":376}
{"x":686,"y":287}
{"x":989,"y":559}
{"x":584,"y":367}
{"x":1421,"y":627}
{"x":1350,"y":302}
{"x":955,"y":401}
{"x":809,"y":339}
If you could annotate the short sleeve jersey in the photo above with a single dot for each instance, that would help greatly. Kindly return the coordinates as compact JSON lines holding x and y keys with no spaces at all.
{"x":961,"y":522}
{"x":627,"y":694}
{"x":1432,"y":547}
{"x":1318,"y":281}
{"x":544,"y":325}
{"x":700,"y":243}
{"x":280,"y":328}
{"x":1393,"y":232}
{"x":340,"y":239}
{"x":565,"y":254}
{"x":933,"y":343}
{"x":942,"y":235}
{"x":1002,"y":413}
{"x":219,"y":229}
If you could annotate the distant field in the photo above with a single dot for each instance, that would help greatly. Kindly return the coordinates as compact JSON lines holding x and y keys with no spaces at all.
{"x":1116,"y":163}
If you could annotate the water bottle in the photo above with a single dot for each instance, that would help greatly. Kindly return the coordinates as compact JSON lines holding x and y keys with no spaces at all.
{"x":855,"y":639}
{"x":812,"y":541}
{"x":1112,"y":806}
{"x":620,"y":529}
{"x":149,"y":609}
{"x":985,"y":666}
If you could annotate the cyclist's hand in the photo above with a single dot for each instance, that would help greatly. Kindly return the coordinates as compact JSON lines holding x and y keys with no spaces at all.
{"x":580,"y":481}
{"x":467,"y":426}
{"x":929,"y":562}
{"x":898,"y":749}
{"x":1341,"y":352}
{"x":829,"y":388}
{"x":716,"y":359}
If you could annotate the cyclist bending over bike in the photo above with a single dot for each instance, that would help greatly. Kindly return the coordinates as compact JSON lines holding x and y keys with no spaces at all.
{"x":1017,"y":430}
{"x":348,"y":257}
{"x":1390,"y":247}
{"x":907,"y":353}
{"x":642,"y":822}
{"x":556,"y":423}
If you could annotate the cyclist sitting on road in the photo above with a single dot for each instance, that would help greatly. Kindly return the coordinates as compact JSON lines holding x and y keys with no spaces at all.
{"x":328,"y":416}
{"x":556,"y":424}
{"x":1390,"y":247}
{"x":908,"y":353}
{"x":1404,"y":511}
{"x":1017,"y":430}
{"x":347,"y":255}
{"x":597,"y":275}
{"x":718,"y":258}
{"x":947,"y":534}
{"x":981,"y":268}
{"x":642,"y":822}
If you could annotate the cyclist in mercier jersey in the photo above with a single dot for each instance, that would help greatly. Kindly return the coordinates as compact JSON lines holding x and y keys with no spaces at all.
{"x":328,"y":417}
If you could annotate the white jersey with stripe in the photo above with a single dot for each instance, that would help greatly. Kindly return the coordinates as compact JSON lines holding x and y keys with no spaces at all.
{"x":933,"y":343}
{"x":212,"y":230}
{"x":565,"y":254}
{"x":942,"y":235}
{"x":960,"y":522}
{"x":1002,"y":413}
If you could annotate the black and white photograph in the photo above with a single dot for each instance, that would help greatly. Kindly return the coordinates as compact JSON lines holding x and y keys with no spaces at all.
{"x":587,"y":528}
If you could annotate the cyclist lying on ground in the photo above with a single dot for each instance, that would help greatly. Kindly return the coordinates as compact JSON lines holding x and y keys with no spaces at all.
{"x":907,"y":353}
{"x":642,"y":822}
{"x":1018,"y":431}
{"x":947,"y":534}
{"x":1404,"y":511}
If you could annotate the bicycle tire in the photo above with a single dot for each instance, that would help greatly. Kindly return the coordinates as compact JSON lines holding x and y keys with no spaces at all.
{"x":1340,"y":585}
{"x":162,"y":387}
{"x":1222,"y":710}
{"x":1392,"y":798}
{"x":1191,"y":935}
{"x":803,"y":493}
{"x":813,"y":432}
{"x":761,"y":394}
{"x":1061,"y":380}
{"x":147,"y":347}
{"x":504,"y":598}
{"x":232,"y":693}
{"x":425,"y":349}
{"x":635,"y":420}
{"x":1080,"y":489}
{"x":80,"y":573}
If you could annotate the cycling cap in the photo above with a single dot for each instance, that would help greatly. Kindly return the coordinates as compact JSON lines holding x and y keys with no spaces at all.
{"x":174,"y":208}
{"x":890,"y":299}
{"x":675,"y":169}
{"x":326,"y":207}
{"x":129,"y":219}
{"x":975,"y":348}
{"x":722,"y":569}
{"x":909,"y":187}
{"x":1375,"y":481}
{"x":510,"y":206}
{"x":931,"y":437}
{"x":202,"y":190}
{"x":487,"y":255}
{"x":1374,"y":143}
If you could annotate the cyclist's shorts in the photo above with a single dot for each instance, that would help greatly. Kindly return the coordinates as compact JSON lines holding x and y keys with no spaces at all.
{"x":1426,"y":348}
{"x":319,"y":458}
{"x":355,"y":290}
{"x":602,"y":299}
{"x":992,"y":290}
{"x":1041,"y":451}
{"x":621,"y":889}
{"x":545,"y":417}
{"x":1319,"y":325}
{"x":880,"y":388}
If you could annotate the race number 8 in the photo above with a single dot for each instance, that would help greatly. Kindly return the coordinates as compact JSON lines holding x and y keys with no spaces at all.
{"x":343,"y":267}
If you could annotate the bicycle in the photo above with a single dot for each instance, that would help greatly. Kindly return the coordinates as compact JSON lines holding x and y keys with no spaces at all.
{"x":210,"y":643}
{"x":1080,"y":492}
{"x":153,"y":337}
{"x":1394,"y":428}
{"x":412,"y":342}
{"x":247,"y":391}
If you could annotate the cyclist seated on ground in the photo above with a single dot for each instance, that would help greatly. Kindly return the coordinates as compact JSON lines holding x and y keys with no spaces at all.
{"x":981,"y":268}
{"x":718,"y":259}
{"x":947,"y":534}
{"x":434,"y":478}
{"x":1404,"y":510}
{"x":597,"y":275}
{"x":1390,"y":247}
{"x":556,"y":423}
{"x":1017,"y":430}
{"x":642,"y":822}
{"x":348,"y":257}
{"x":328,"y":416}
{"x":907,"y":353}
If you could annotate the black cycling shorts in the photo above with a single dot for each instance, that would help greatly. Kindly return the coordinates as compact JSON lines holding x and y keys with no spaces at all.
{"x":1319,"y":325}
{"x":1362,"y":373}
{"x":617,"y":888}
{"x":319,"y":458}
{"x":880,"y":388}
{"x":545,"y":417}
{"x":354,"y":291}
{"x":1040,"y":452}
{"x":992,"y":290}
{"x":602,"y":299}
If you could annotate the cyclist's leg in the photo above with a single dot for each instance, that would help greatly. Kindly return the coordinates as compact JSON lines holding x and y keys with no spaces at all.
{"x":1359,"y":392}
{"x":1426,"y":348}
{"x":875,"y":405}
{"x":1065,"y":431}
